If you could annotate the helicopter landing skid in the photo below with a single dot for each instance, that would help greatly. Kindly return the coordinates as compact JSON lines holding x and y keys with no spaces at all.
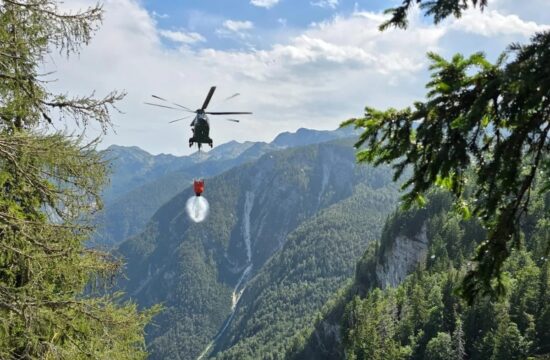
{"x":191,"y":143}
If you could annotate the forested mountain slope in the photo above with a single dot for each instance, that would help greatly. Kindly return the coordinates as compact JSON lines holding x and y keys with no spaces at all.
{"x":316,"y":261}
{"x":132,"y":167}
{"x":389,"y":315}
{"x":198,"y":270}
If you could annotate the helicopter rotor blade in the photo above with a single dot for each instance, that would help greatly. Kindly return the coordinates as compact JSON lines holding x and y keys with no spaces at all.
{"x":185,"y":108}
{"x":228,"y":113}
{"x":173,"y":103}
{"x":224,"y":101}
{"x":158,"y":97}
{"x":234,"y":120}
{"x":231,"y":97}
{"x":162,"y":106}
{"x":208,"y":98}
{"x":180,"y":119}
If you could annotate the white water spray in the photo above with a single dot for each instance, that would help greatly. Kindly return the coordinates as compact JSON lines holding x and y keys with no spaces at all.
{"x":197,"y":208}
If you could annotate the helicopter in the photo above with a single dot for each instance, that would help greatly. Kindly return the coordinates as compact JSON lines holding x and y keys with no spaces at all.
{"x":200,"y":124}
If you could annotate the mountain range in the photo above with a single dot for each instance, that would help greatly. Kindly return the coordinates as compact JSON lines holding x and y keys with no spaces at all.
{"x":140,"y":182}
{"x":218,"y":278}
{"x":305,"y":255}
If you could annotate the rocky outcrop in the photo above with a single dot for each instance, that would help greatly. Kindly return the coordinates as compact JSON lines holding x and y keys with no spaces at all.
{"x":402,"y":258}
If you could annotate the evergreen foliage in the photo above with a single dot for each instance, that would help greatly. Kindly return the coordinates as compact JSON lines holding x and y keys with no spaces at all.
{"x":438,"y":9}
{"x":49,"y":186}
{"x":440,"y":347}
{"x":489,"y":119}
{"x":425,"y":318}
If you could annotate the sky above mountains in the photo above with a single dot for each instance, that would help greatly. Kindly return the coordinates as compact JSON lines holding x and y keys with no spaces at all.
{"x":296,"y":63}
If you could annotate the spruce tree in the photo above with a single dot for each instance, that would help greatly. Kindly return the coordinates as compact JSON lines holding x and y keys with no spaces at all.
{"x":440,"y":347}
{"x":438,"y":9}
{"x":491,"y":120}
{"x":459,"y":346}
{"x":49,"y":187}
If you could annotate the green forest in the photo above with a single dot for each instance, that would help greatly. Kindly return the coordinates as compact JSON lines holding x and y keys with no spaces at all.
{"x":425,"y":317}
{"x":283,"y":300}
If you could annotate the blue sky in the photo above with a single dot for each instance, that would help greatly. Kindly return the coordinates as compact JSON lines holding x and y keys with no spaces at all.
{"x":207,"y":16}
{"x":268,"y":18}
{"x":296,"y":63}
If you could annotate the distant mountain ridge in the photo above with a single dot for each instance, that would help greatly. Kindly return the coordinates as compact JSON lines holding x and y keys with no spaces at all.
{"x":132,"y":167}
{"x":304,"y":137}
{"x":141,"y":182}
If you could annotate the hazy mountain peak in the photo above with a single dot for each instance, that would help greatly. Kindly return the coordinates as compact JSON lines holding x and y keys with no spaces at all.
{"x":141,"y":182}
{"x":120,"y":150}
{"x":304,"y":136}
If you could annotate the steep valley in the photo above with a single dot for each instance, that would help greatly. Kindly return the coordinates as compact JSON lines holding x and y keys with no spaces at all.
{"x":305,"y":255}
{"x":284,"y":233}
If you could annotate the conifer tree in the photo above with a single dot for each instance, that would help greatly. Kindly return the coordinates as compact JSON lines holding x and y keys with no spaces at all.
{"x":509,"y":343}
{"x":440,"y":347}
{"x":49,"y":187}
{"x":492,"y":120}
{"x":438,"y":9}
{"x":459,"y":347}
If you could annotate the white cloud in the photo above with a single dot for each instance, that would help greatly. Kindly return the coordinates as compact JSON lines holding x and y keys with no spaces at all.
{"x":235,"y":29}
{"x":182,"y":37}
{"x":316,"y":78}
{"x":237,"y":26}
{"x":492,"y":23}
{"x":326,"y":3}
{"x":160,"y":16}
{"x":533,"y":10}
{"x":264,"y":3}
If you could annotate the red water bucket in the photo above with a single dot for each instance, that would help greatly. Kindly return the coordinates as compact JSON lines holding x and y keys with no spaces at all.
{"x":198,"y":187}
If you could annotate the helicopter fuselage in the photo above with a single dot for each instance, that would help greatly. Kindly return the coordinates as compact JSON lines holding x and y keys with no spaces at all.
{"x":200,"y":124}
{"x":201,"y":130}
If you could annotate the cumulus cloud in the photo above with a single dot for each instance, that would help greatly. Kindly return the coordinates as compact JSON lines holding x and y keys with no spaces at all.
{"x":237,"y":26}
{"x":533,"y":10}
{"x":264,"y":3}
{"x":332,"y":4}
{"x":235,"y":29}
{"x":315,"y":78}
{"x":493,"y":23}
{"x":182,"y":37}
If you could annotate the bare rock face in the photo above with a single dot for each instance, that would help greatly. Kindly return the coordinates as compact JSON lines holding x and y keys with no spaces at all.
{"x":402,"y":259}
{"x":279,"y":192}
